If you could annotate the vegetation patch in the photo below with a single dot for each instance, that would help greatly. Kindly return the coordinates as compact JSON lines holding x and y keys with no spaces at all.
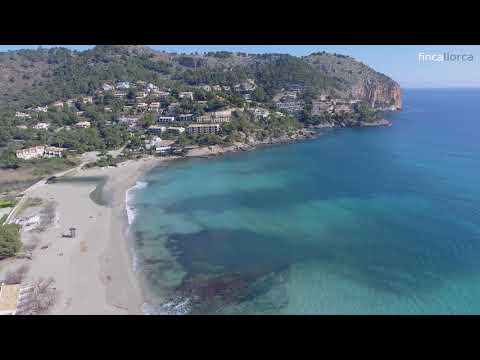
{"x":10,"y":242}
{"x":4,"y":203}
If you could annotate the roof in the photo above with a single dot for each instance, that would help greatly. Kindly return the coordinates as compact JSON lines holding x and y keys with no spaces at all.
{"x":9,"y":297}
{"x":203,"y":125}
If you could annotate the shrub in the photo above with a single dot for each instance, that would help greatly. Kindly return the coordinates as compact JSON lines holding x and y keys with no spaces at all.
{"x":10,"y":242}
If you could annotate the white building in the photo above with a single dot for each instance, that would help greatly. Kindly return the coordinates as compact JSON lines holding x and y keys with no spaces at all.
{"x":41,"y":126}
{"x":217,"y":117}
{"x":198,"y":129}
{"x":157,"y":129}
{"x":83,"y":124}
{"x":260,"y":113}
{"x":41,"y":109}
{"x":58,"y":104}
{"x":31,"y":153}
{"x":185,"y":117}
{"x":165,"y":119}
{"x":151,"y":87}
{"x":87,"y":100}
{"x":291,"y":106}
{"x":107,"y":87}
{"x":149,"y":144}
{"x":176,"y":130}
{"x":123,"y":85}
{"x":186,"y":94}
{"x":21,"y":115}
{"x":130,"y":121}
{"x":154,"y":107}
{"x":160,"y":94}
{"x":53,"y":152}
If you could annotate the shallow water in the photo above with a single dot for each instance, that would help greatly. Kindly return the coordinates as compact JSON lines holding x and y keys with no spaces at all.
{"x":359,"y":221}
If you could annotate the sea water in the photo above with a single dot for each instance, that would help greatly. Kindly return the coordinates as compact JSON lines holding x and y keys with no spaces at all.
{"x":358,"y":221}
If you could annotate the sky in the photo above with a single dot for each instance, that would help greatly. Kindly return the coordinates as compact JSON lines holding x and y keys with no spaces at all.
{"x":403,"y":63}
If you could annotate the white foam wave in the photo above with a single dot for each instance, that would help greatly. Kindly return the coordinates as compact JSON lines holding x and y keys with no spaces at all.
{"x":131,"y":214}
{"x":175,"y":306}
{"x":129,"y":197}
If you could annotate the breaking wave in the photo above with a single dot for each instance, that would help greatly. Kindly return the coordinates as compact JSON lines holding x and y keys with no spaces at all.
{"x":174,"y":306}
{"x":131,"y":214}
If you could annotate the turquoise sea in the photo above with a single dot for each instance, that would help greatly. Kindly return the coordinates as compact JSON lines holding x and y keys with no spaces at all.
{"x":358,"y":221}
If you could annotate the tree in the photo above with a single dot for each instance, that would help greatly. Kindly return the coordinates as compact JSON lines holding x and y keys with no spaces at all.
{"x":10,"y":242}
{"x":8,"y":160}
{"x":259,"y":95}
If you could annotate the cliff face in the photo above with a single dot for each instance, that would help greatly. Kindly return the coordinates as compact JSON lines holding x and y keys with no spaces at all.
{"x":357,"y":80}
{"x":381,"y":95}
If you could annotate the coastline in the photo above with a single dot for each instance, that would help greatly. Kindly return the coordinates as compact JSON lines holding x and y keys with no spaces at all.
{"x":95,"y":274}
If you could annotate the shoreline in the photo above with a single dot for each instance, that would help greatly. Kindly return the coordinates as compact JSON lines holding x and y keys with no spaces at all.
{"x":93,"y":272}
{"x":96,"y":273}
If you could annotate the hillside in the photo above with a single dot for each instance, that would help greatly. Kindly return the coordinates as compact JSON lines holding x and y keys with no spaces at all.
{"x":38,"y":77}
{"x":356,"y":80}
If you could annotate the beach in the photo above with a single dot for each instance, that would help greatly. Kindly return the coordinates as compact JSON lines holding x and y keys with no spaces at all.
{"x":93,"y":271}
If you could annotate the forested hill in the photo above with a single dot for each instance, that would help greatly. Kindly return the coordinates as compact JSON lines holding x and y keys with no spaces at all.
{"x":39,"y":77}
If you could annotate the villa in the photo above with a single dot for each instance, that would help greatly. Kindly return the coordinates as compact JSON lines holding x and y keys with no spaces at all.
{"x":41,"y":109}
{"x":31,"y":153}
{"x":154,"y":106}
{"x":53,"y":152}
{"x":186,"y":94}
{"x":107,"y":87}
{"x":123,"y":85}
{"x":83,"y":124}
{"x":41,"y":126}
{"x":87,"y":100}
{"x":21,"y":115}
{"x":130,"y":121}
{"x":261,"y":113}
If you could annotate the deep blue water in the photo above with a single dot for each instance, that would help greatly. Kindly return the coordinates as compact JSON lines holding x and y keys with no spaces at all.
{"x":358,"y":221}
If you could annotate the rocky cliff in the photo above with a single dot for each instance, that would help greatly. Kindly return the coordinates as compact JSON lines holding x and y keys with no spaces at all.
{"x":356,"y":80}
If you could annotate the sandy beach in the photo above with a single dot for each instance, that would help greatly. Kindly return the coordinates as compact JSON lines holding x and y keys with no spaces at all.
{"x":93,"y":271}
